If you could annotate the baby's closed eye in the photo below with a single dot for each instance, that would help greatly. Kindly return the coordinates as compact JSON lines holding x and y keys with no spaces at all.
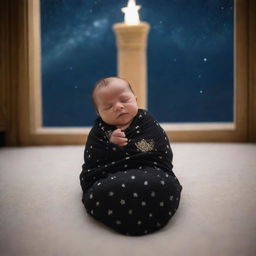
{"x":125,"y":99}
{"x":107,"y":107}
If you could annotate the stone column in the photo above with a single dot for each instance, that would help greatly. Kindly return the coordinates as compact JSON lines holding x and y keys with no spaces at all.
{"x":131,"y":42}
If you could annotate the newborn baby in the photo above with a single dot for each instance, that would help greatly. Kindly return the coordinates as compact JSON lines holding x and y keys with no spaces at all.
{"x":127,"y":178}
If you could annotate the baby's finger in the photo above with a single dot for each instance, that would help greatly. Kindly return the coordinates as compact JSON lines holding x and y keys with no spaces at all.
{"x":122,"y":140}
{"x":121,"y":134}
{"x":117,"y":140}
{"x":123,"y":144}
{"x":118,"y":133}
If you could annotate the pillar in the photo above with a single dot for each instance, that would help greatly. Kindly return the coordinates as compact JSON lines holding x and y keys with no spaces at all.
{"x":131,"y":41}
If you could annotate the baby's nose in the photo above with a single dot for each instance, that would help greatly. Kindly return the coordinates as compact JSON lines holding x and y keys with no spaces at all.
{"x":119,"y":106}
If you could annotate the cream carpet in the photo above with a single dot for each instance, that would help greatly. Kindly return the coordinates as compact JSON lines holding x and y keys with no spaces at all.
{"x":41,"y":211}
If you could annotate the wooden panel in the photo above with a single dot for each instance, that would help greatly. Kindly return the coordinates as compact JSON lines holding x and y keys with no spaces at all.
{"x":252,"y":71}
{"x":16,"y":64}
{"x":4,"y":64}
{"x":10,"y":29}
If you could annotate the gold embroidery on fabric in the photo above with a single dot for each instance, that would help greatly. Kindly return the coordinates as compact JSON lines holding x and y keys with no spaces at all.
{"x":145,"y":146}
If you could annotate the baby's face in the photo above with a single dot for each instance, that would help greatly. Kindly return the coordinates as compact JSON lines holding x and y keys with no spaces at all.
{"x":116,"y":103}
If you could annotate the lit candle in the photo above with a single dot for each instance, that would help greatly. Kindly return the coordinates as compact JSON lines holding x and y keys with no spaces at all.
{"x":131,"y":14}
{"x":131,"y":39}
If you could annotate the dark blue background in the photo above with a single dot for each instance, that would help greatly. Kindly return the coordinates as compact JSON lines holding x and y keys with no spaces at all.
{"x":190,"y":58}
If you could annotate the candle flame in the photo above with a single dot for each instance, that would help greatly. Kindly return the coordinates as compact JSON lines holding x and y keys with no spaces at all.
{"x":131,"y":14}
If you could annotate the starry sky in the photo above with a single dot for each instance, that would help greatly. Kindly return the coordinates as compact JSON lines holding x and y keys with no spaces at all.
{"x":190,"y":58}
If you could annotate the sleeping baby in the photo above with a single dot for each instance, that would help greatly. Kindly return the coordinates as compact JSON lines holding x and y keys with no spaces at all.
{"x":127,"y":178}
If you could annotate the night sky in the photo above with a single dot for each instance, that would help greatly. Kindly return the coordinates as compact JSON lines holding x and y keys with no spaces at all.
{"x":190,"y":58}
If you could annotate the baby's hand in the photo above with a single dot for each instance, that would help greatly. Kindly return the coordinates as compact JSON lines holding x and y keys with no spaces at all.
{"x":118,"y":137}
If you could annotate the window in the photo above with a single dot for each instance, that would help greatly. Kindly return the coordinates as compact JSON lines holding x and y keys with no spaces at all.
{"x":206,"y":112}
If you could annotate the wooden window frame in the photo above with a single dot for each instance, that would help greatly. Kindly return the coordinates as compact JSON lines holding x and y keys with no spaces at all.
{"x":25,"y":81}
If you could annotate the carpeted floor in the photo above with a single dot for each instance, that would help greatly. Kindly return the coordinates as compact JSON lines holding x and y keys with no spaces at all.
{"x":41,"y":211}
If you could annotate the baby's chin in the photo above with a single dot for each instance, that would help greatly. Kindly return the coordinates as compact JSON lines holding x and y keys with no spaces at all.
{"x":123,"y":126}
{"x":125,"y":123}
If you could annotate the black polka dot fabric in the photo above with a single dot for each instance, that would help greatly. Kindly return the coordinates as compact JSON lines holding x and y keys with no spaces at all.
{"x":134,"y":202}
{"x":131,"y":189}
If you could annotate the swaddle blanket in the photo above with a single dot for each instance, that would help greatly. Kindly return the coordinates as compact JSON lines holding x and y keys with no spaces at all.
{"x":148,"y":146}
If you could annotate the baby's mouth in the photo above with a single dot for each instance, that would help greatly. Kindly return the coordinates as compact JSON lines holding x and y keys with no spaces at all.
{"x":122,"y":114}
